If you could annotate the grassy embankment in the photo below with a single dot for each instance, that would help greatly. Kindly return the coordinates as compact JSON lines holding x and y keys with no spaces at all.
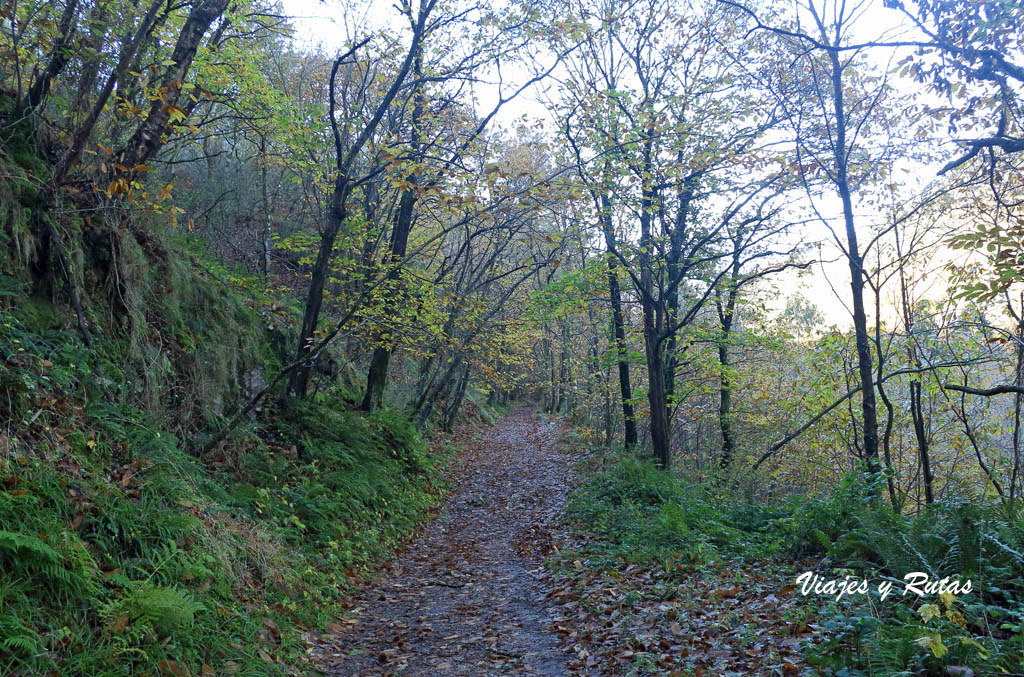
{"x":122,"y":551}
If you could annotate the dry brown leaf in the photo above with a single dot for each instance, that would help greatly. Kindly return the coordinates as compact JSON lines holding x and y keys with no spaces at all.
{"x":168,"y":667}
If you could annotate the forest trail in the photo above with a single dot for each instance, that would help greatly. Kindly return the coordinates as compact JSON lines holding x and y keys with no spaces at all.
{"x":465,"y":597}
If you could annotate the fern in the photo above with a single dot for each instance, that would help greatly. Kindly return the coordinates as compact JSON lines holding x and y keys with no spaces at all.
{"x":24,"y":546}
{"x":66,"y":574}
{"x":163,"y":608}
{"x":17,"y":639}
{"x":1005,"y":549}
{"x":917,"y":555}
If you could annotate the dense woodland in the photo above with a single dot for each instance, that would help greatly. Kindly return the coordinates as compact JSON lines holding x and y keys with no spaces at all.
{"x":767,"y":257}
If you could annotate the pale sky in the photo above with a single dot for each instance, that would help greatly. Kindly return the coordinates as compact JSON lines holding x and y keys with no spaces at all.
{"x":330,"y":24}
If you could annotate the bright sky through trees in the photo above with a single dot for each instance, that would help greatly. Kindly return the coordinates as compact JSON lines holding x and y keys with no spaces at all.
{"x":330,"y":24}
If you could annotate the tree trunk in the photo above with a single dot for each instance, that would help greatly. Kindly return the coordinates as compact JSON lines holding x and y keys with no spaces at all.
{"x":60,"y":55}
{"x":726,"y":314}
{"x":148,"y":138}
{"x":299,"y":382}
{"x":677,"y":234}
{"x":435,"y":392}
{"x":917,"y":412}
{"x":608,"y":421}
{"x":725,"y":407}
{"x":618,"y":326}
{"x":376,"y":377}
{"x":653,"y":322}
{"x":455,"y":401}
{"x":563,"y":369}
{"x":886,"y":439}
{"x":266,"y":208}
{"x":856,"y":261}
{"x":552,"y":398}
{"x":656,"y":398}
{"x":916,"y":403}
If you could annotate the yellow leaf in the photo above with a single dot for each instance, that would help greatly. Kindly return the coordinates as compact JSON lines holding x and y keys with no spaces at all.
{"x":176,"y":112}
{"x":957,"y":617}
{"x":933,"y":643}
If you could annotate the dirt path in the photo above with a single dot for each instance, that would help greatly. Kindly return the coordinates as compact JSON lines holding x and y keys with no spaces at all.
{"x":465,"y":598}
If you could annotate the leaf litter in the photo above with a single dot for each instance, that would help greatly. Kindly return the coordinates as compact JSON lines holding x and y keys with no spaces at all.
{"x":471,"y":595}
{"x":467,"y":597}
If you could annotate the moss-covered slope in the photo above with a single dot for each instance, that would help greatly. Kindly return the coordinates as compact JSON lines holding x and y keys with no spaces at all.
{"x":121,"y":550}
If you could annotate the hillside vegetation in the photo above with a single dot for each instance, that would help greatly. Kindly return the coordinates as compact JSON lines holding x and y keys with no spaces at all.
{"x":258,"y":270}
{"x":124,"y":547}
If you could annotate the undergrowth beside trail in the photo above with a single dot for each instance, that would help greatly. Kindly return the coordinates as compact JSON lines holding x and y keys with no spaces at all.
{"x":123,"y":553}
{"x":723,"y":555}
{"x":644,"y":515}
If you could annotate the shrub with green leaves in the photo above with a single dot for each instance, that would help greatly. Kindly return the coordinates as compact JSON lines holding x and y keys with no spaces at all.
{"x":643,"y":514}
{"x":155,"y":608}
{"x":971,"y":540}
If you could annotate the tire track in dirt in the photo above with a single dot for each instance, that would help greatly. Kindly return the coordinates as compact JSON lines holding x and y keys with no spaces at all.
{"x":466,"y":596}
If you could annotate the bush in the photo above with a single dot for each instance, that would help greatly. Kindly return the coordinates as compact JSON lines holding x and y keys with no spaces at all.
{"x":906,"y":634}
{"x":642,"y":514}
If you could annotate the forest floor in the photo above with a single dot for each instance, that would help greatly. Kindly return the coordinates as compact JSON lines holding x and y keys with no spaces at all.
{"x":471,"y":595}
{"x":467,"y":596}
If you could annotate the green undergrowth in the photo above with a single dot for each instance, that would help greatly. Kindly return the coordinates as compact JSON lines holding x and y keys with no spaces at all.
{"x":629,"y":511}
{"x":360,"y":487}
{"x":640,"y":514}
{"x":907,"y":634}
{"x":123,"y":553}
